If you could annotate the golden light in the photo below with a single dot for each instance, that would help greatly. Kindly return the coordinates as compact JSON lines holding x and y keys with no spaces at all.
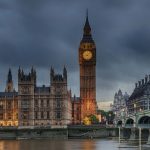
{"x":86,"y":121}
{"x":88,"y":105}
{"x":134,"y":105}
{"x":99,"y":117}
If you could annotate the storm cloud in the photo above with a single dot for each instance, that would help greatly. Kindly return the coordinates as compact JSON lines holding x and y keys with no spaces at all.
{"x":45,"y":33}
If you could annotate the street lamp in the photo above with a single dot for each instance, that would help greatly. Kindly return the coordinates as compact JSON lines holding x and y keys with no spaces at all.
{"x":123,"y":115}
{"x":115,"y":118}
{"x":109,"y":119}
{"x":134,"y":114}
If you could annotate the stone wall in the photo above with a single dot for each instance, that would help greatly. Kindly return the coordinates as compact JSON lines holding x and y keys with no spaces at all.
{"x":33,"y":133}
{"x":57,"y":133}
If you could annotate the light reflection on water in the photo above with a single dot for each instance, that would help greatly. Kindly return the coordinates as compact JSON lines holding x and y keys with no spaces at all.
{"x":99,"y":144}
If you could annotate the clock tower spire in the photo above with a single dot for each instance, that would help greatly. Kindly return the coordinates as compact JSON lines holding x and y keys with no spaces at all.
{"x":87,"y":28}
{"x":87,"y":62}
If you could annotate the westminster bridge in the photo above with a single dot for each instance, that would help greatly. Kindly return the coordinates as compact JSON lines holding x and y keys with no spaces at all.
{"x":134,"y":122}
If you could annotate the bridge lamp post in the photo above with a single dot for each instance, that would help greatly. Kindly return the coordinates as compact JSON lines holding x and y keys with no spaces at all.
{"x":109,"y":119}
{"x":134,"y":125}
{"x":115,"y":118}
{"x":148,"y":103}
{"x":123,"y":115}
{"x":142,"y":111}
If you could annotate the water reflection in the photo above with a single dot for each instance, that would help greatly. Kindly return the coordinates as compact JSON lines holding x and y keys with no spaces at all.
{"x":89,"y":145}
{"x":9,"y":145}
{"x":100,"y":144}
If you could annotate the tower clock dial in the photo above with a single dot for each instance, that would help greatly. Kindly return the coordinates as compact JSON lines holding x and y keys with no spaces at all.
{"x":87,"y":55}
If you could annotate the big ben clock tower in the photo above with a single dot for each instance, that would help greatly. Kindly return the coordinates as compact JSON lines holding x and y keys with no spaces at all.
{"x":87,"y":62}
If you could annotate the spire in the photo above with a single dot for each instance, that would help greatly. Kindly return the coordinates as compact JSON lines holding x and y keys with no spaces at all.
{"x":32,"y":70}
{"x":52,"y":70}
{"x":87,"y":28}
{"x":19,"y":70}
{"x":52,"y":73}
{"x":9,"y":84}
{"x":87,"y":36}
{"x":65,"y":72}
{"x":9,"y":77}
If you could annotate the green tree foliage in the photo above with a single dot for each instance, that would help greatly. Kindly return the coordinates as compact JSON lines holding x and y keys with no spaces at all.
{"x":109,"y":115}
{"x":93,"y":119}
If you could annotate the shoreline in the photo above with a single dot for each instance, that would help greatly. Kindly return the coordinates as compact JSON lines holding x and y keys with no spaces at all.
{"x":58,"y":133}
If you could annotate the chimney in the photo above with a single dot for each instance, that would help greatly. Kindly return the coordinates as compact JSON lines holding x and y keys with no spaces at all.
{"x":146,"y":79}
{"x":139,"y":83}
{"x":142,"y":81}
{"x":136,"y":85}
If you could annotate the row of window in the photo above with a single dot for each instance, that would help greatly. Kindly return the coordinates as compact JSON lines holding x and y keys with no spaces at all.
{"x":42,"y":115}
{"x":42,"y":102}
{"x":9,"y":116}
{"x":47,"y":115}
{"x":9,"y":105}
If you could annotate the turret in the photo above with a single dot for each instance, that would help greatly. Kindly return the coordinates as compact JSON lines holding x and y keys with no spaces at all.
{"x":52,"y":74}
{"x":33,"y":75}
{"x":58,"y":77}
{"x":19,"y":72}
{"x":120,"y":92}
{"x":30,"y":77}
{"x":65,"y":73}
{"x":9,"y":83}
{"x":9,"y":77}
{"x":146,"y":79}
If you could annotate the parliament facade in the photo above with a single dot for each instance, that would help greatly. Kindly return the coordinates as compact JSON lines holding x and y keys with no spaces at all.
{"x":33,"y":105}
{"x":52,"y":105}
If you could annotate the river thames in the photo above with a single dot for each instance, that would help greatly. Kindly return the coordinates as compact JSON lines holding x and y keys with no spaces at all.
{"x":99,"y":144}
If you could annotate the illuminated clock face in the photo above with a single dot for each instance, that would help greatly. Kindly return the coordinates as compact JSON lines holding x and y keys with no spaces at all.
{"x":87,"y":55}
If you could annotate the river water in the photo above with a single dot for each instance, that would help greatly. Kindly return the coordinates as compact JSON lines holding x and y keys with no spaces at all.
{"x":99,"y":144}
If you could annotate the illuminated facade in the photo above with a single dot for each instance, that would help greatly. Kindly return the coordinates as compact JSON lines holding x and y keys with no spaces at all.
{"x":35,"y":106}
{"x":86,"y":104}
{"x":9,"y":104}
{"x":76,"y":110}
{"x":87,"y":62}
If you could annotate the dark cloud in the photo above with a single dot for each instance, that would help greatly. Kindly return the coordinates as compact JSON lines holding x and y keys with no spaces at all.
{"x":48,"y":32}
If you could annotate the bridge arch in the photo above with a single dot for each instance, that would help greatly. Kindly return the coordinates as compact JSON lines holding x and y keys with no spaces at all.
{"x":129,"y":122}
{"x":144,"y":120}
{"x":119,"y":123}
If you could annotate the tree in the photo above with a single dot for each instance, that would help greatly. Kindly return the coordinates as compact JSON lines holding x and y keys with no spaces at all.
{"x":94,"y":119}
{"x":109,"y":115}
{"x":91,"y":119}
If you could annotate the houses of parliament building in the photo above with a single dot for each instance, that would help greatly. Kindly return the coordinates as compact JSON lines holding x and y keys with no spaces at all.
{"x":52,"y":105}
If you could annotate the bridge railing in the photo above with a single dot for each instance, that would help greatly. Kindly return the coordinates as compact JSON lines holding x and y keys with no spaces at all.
{"x":129,"y":125}
{"x":145,"y":126}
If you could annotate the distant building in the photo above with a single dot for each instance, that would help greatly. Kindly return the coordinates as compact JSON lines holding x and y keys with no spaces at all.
{"x":119,"y":106}
{"x":139,"y":99}
{"x":106,"y":106}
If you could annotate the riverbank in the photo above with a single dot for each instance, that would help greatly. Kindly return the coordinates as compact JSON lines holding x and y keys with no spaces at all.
{"x":72,"y":132}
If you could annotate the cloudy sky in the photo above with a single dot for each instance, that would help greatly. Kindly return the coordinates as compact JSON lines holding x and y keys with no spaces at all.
{"x":48,"y":32}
